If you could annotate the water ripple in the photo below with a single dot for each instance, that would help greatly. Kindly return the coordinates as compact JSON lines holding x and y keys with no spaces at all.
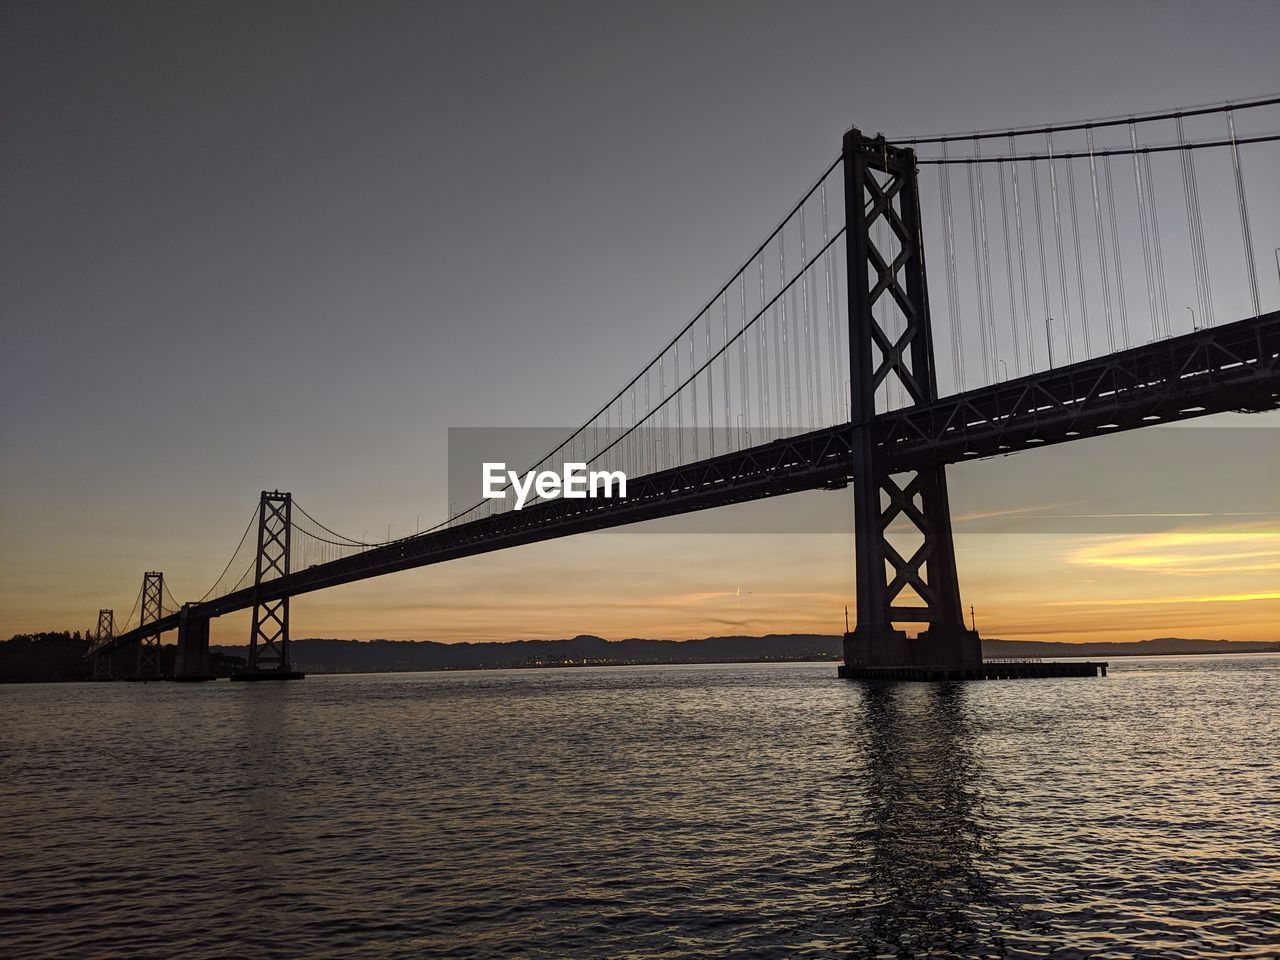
{"x":727,"y":811}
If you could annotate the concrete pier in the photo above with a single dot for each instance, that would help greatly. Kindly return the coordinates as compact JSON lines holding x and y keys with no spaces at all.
{"x":191,"y":664}
{"x":987,"y":670}
{"x":941,"y":653}
{"x":953,"y":648}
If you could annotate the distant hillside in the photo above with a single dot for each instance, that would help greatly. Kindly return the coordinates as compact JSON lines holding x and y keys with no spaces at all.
{"x":343,"y":656}
{"x":60,"y":656}
{"x":375,"y":656}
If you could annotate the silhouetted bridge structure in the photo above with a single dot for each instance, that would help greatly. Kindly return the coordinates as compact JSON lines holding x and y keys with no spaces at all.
{"x":831,"y":362}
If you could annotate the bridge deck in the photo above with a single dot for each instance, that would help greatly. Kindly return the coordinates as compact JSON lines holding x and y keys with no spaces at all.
{"x":1231,"y":367}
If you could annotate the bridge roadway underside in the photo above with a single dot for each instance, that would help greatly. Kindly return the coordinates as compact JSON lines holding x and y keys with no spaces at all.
{"x":1231,"y":367}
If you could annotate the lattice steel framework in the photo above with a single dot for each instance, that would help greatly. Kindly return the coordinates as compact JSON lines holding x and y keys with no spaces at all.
{"x":269,"y":634}
{"x":917,"y":584}
{"x":148,"y":665}
{"x":102,"y":659}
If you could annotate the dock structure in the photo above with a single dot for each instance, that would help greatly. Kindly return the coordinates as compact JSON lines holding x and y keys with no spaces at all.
{"x":987,"y":670}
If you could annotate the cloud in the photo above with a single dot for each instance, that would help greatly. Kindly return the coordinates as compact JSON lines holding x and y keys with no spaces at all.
{"x":1014,"y":512}
{"x":1229,"y":550}
{"x":1161,"y":601}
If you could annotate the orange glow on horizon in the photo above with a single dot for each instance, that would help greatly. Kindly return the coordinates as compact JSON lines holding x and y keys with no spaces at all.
{"x":1211,"y":582}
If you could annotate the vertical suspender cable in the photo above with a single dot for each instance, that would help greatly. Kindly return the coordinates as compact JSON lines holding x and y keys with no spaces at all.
{"x":1245,"y":233}
{"x":1022,"y":257}
{"x":1145,"y":230}
{"x":782,"y":346}
{"x":1062,"y":263}
{"x":804,"y":398}
{"x":793,"y":322}
{"x":647,"y":453}
{"x":693,"y":389}
{"x":1075,"y":238}
{"x":977,"y":276}
{"x":1204,"y":253}
{"x":1044,"y":270}
{"x":1191,"y":225}
{"x":711,"y":382}
{"x":812,"y":391}
{"x":986,"y":267}
{"x":1008,"y":270}
{"x":815,"y":343}
{"x":665,"y":412}
{"x":1199,"y":262}
{"x":678,"y":402}
{"x":762,"y":360}
{"x":681,"y":399}
{"x":1115,"y":251}
{"x":953,"y":299}
{"x":1155,"y":242}
{"x":1153,"y":208}
{"x":844,"y":400}
{"x":831,"y":319}
{"x":723,"y":374}
{"x":1102,"y":250}
{"x":797,"y":349}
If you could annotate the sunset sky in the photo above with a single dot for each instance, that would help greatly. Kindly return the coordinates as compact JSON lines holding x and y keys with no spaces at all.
{"x":250,"y":246}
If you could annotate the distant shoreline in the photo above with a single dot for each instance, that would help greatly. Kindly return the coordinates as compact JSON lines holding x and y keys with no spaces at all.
{"x":52,"y":657}
{"x":319,"y":672}
{"x":779,"y":660}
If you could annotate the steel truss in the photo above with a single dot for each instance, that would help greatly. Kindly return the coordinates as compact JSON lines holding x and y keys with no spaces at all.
{"x":916,"y":583}
{"x":101,"y":646}
{"x":148,"y":662}
{"x":269,"y":633}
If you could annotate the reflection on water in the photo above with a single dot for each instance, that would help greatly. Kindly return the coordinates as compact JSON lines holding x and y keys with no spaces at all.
{"x":746,"y":811}
{"x":924,"y":875}
{"x":931,"y":883}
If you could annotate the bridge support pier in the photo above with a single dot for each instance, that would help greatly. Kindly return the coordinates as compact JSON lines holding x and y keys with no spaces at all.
{"x":269,"y":634}
{"x":103,"y":661}
{"x":912,"y":580}
{"x":103,"y":667}
{"x":192,"y":660}
{"x":148,"y":665}
{"x":937,"y":646}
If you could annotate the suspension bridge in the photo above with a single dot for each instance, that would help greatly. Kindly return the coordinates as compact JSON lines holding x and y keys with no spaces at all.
{"x":1086,"y":278}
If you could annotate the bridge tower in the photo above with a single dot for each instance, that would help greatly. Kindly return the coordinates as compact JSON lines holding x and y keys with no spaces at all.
{"x":269,"y":633}
{"x":102,"y":662}
{"x":916,"y":584}
{"x":148,"y":665}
